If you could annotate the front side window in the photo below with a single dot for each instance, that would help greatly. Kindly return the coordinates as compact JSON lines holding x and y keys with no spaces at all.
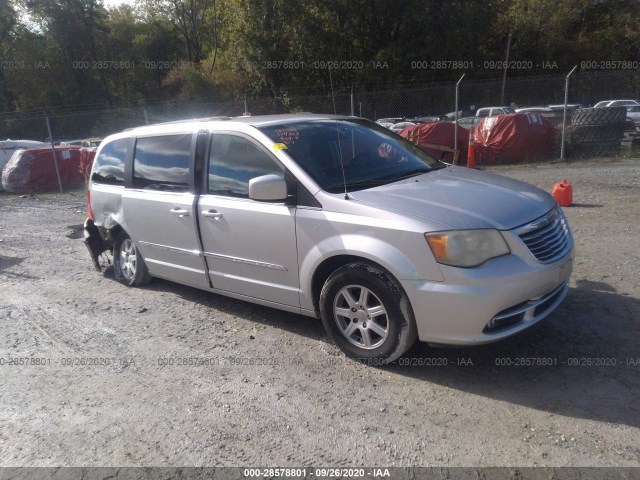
{"x":233,"y":162}
{"x":108,"y":167}
{"x":162,"y":163}
{"x":349,"y":153}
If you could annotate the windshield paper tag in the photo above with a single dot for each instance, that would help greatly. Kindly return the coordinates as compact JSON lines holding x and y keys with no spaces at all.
{"x":288,"y":135}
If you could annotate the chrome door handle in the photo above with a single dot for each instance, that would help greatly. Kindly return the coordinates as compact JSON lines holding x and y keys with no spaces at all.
{"x":212,"y":214}
{"x":180,"y":212}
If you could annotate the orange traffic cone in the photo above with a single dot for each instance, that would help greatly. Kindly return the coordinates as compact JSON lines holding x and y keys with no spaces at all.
{"x":471,"y":151}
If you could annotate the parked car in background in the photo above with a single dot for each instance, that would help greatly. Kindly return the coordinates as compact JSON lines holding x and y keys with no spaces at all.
{"x":390,"y":121}
{"x":491,"y":111}
{"x":426,"y":119}
{"x":452,"y":115}
{"x":570,"y":107}
{"x":616,"y":103}
{"x":541,"y":110}
{"x":633,"y":113}
{"x":332,"y":217}
{"x":92,"y":142}
{"x":552,"y":113}
{"x":469,"y":122}
{"x":396,"y":127}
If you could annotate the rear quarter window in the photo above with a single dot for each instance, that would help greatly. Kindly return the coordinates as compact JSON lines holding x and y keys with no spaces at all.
{"x":162,"y":163}
{"x":108,"y":167}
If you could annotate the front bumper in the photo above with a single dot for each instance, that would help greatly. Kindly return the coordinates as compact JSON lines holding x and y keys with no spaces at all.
{"x":488,"y":303}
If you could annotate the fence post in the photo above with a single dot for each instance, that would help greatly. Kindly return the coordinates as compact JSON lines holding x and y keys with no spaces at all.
{"x":506,"y":63}
{"x":333,"y":97}
{"x":455,"y":123}
{"x":353,"y":103}
{"x":53,"y":153}
{"x":564,"y":112}
{"x":146,"y":118}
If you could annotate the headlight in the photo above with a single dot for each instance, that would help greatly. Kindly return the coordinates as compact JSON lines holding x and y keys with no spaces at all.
{"x":466,"y":248}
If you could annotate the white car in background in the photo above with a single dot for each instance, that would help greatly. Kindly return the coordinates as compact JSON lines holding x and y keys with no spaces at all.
{"x":616,"y":103}
{"x":389,"y":122}
{"x":633,"y":113}
{"x":492,"y":111}
{"x":396,"y":127}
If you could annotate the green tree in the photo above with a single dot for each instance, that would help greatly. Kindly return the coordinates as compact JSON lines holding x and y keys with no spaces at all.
{"x":7,"y":24}
{"x":567,"y":31}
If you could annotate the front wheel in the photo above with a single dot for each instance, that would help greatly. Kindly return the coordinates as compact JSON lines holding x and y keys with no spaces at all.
{"x":366,"y":313}
{"x":128,"y":265}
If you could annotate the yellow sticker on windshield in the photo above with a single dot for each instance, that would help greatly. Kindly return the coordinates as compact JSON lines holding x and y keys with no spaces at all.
{"x":279,"y":146}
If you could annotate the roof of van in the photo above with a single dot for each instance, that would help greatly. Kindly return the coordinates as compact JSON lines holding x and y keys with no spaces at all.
{"x":258,"y":119}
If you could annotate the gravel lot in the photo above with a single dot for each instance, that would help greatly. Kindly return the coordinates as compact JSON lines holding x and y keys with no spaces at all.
{"x":99,"y":387}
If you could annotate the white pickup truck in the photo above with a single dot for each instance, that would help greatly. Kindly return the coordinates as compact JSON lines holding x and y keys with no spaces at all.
{"x":491,"y":111}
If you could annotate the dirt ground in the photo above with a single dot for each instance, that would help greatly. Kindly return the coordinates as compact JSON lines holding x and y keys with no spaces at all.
{"x":96,"y":374}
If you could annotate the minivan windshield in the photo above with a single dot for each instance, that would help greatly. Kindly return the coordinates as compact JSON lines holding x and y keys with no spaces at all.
{"x":370,"y":154}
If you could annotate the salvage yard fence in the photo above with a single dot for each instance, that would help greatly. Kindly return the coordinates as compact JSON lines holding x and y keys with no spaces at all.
{"x":586,"y":134}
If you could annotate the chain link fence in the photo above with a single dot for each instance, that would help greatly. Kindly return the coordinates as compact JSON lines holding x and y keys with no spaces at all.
{"x":587,"y":132}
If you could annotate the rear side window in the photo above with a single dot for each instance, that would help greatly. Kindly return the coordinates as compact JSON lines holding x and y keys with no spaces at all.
{"x":233,"y":162}
{"x":108,"y":167}
{"x":162,"y":163}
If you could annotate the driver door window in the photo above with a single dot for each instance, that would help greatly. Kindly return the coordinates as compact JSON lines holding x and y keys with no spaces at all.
{"x":233,"y":162}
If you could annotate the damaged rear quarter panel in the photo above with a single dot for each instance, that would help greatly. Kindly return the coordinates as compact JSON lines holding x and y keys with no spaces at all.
{"x":106,"y":203}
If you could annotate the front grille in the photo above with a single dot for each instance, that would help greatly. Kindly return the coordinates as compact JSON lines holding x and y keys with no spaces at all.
{"x":547,"y":238}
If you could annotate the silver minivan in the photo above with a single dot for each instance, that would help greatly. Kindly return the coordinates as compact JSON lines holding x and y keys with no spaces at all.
{"x":333,"y":217}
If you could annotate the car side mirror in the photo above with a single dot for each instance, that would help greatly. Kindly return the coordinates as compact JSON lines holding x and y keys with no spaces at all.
{"x":268,"y":188}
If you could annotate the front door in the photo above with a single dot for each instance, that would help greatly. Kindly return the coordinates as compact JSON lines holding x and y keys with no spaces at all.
{"x":250,"y":246}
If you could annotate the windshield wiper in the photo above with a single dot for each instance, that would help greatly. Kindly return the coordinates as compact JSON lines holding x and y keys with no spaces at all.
{"x":409,"y":173}
{"x":359,"y":183}
{"x":369,"y":182}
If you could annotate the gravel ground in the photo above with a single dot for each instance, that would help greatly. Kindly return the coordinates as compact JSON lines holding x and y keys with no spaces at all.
{"x":99,"y":387}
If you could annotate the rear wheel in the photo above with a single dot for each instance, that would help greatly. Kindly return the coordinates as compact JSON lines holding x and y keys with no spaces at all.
{"x":128,"y":265}
{"x":367,"y":314}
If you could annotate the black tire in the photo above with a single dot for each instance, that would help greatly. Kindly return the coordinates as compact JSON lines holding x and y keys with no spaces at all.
{"x":385,"y":308}
{"x":590,"y":150}
{"x":597,"y":133}
{"x":599,"y":116}
{"x":128,"y":265}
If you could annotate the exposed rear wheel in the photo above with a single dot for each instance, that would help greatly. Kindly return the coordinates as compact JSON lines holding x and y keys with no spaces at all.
{"x":128,"y":265}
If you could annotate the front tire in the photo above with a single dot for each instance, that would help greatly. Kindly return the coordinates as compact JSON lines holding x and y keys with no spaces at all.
{"x":367,"y":314}
{"x":128,"y":265}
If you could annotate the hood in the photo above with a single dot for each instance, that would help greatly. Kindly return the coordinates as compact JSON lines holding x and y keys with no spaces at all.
{"x":461,"y":198}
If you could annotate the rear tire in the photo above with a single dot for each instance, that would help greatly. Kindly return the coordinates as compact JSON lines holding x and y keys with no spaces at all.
{"x":128,"y":265}
{"x":367,"y":314}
